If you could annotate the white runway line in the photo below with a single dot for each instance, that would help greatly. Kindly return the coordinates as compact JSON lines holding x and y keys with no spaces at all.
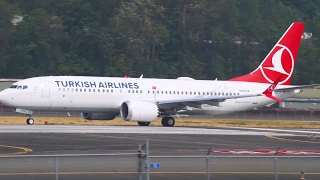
{"x":129,"y":130}
{"x":304,"y":131}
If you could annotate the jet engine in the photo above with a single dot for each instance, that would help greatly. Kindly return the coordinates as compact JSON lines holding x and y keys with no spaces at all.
{"x":140,"y":111}
{"x":99,"y":116}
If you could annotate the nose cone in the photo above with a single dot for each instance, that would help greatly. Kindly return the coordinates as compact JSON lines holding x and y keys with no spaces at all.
{"x":4,"y":97}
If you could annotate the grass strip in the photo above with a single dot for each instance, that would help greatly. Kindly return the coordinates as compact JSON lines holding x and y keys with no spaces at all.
{"x":179,"y":122}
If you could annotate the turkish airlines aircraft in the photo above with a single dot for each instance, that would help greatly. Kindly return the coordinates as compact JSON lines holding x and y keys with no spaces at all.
{"x":144,"y":99}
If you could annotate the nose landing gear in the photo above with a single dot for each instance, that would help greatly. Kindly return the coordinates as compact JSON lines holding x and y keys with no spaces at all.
{"x":30,"y":121}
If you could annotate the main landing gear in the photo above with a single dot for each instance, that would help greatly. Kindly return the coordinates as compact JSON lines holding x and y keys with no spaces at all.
{"x":166,"y":122}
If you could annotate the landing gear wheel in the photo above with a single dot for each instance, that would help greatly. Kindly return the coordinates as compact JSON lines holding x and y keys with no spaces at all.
{"x":30,"y":121}
{"x":144,"y":123}
{"x":168,"y":121}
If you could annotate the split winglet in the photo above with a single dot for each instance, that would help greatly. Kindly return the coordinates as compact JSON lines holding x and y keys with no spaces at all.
{"x":268,"y":92}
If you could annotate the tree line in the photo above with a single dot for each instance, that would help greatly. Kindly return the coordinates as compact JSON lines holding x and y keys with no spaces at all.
{"x":158,"y":38}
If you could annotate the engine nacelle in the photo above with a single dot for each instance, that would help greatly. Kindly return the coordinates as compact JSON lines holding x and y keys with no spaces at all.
{"x":99,"y":116}
{"x":140,"y":111}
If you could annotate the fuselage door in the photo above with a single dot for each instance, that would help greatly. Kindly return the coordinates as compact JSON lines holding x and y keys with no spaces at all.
{"x":255,"y":100}
{"x":45,"y":91}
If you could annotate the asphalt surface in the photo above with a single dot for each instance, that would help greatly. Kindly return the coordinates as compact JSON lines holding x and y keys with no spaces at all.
{"x":170,"y":142}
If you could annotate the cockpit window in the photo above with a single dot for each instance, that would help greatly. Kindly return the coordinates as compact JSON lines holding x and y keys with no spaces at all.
{"x":19,"y":87}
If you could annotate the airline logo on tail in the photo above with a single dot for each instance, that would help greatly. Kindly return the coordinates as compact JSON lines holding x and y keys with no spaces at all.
{"x":282,"y":62}
{"x":281,"y":59}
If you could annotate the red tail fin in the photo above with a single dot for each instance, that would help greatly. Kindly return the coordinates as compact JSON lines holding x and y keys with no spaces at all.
{"x":280,"y":60}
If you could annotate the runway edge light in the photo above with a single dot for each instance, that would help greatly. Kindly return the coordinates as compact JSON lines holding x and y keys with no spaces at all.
{"x":155,"y":165}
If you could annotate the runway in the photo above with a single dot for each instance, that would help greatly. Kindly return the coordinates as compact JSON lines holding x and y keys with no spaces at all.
{"x":51,"y":139}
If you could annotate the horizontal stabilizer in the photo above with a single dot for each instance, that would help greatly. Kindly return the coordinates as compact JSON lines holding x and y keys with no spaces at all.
{"x":312,"y":86}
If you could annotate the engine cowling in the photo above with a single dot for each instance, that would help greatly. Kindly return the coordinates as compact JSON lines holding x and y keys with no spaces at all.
{"x":140,"y":111}
{"x":99,"y":116}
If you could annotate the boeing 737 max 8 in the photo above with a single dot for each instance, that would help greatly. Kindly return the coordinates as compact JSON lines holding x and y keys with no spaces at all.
{"x":144,"y":99}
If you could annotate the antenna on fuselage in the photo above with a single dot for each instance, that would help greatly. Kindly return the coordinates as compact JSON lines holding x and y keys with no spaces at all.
{"x":141,"y":76}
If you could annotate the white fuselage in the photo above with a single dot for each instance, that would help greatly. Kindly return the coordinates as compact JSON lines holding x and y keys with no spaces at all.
{"x":105,"y":94}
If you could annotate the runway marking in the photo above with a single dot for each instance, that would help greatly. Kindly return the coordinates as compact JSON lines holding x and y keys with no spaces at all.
{"x":293,"y":140}
{"x":159,"y":172}
{"x":24,"y":150}
{"x":157,"y":140}
{"x":127,"y":130}
{"x":275,"y":130}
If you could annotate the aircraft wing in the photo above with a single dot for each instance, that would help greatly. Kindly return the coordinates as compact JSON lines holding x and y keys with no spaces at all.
{"x":197,"y":102}
{"x":312,"y":86}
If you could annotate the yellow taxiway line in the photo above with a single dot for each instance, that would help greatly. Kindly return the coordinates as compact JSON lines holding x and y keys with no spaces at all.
{"x":24,"y":150}
{"x":293,"y":140}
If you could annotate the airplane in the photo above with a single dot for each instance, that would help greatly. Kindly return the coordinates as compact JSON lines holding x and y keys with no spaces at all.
{"x":143,"y":100}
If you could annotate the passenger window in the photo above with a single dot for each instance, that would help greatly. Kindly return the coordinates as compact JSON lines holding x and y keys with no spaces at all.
{"x":80,"y":90}
{"x":59,"y":89}
{"x":177,"y":92}
{"x":137,"y":91}
{"x":93,"y":90}
{"x":98,"y":90}
{"x":174,"y":92}
{"x":128,"y":91}
{"x":63,"y":89}
{"x":199,"y":93}
{"x":169,"y":92}
{"x":211,"y":93}
{"x":148,"y":92}
{"x":141,"y":91}
{"x":111,"y":90}
{"x":76,"y":90}
{"x":102,"y":90}
{"x":89,"y":90}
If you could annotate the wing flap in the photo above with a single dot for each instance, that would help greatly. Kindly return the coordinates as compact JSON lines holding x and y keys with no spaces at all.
{"x":197,"y":102}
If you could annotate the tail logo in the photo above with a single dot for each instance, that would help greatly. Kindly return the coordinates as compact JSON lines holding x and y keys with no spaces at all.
{"x":271,"y":88}
{"x":282,"y":63}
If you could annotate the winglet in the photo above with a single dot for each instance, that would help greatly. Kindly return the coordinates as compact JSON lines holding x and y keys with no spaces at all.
{"x":268,"y":92}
